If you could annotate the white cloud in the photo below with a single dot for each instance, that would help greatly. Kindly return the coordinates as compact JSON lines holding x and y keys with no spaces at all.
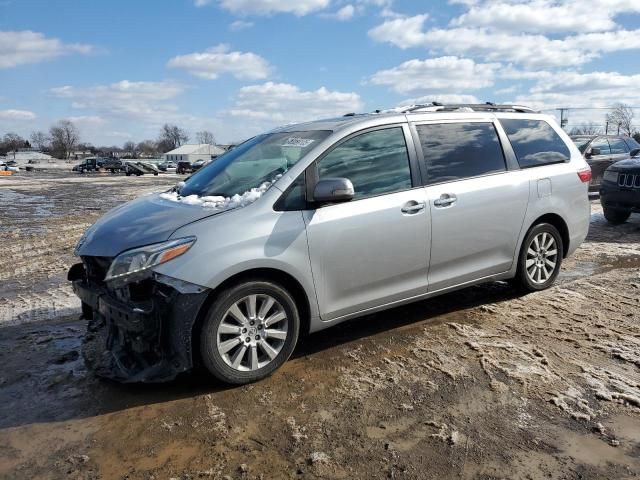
{"x":545,"y":15}
{"x":278,"y":103}
{"x":345,"y":13}
{"x":573,"y":82}
{"x":240,"y":25}
{"x":218,"y":60}
{"x":268,"y":7}
{"x":441,"y":98}
{"x":201,"y":3}
{"x":18,"y":115}
{"x":25,"y":47}
{"x":436,"y":75}
{"x":525,"y":49}
{"x":146,"y":101}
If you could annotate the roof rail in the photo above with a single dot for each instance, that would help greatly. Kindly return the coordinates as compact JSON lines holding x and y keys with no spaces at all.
{"x":476,"y":107}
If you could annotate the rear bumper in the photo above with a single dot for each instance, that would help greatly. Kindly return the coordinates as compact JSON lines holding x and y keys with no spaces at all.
{"x":147,"y":340}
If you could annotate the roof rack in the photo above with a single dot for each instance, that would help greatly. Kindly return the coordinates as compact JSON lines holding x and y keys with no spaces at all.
{"x":475,"y":107}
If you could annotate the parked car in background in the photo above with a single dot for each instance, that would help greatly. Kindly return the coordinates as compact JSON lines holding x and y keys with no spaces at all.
{"x":310,"y":225}
{"x":140,"y":168}
{"x":168,"y":166}
{"x":198,"y":164}
{"x":601,"y":151}
{"x":620,"y":190}
{"x":184,"y":166}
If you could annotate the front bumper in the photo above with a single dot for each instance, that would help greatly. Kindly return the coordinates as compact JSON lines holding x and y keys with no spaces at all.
{"x":141,"y":337}
{"x":620,"y":198}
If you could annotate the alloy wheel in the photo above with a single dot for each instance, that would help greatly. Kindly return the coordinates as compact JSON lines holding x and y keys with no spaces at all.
{"x":542,"y":257}
{"x":252,"y":332}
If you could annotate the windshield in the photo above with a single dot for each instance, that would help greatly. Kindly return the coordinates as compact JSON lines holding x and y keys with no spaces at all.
{"x":258,"y":160}
{"x":581,"y":142}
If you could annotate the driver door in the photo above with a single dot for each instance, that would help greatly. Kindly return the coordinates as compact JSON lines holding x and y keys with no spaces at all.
{"x":373,"y":250}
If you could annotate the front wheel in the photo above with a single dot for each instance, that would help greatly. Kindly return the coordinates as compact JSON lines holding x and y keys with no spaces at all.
{"x":616,"y":217}
{"x":540,"y":258}
{"x":249,"y":332}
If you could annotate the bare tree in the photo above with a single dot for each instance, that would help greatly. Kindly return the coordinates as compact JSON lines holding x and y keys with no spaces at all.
{"x":622,"y":117}
{"x":172,"y":136}
{"x":12,"y":142}
{"x":64,"y":138}
{"x":590,"y":128}
{"x":40,"y":140}
{"x":130,"y":149}
{"x":148,"y":147}
{"x":205,"y":136}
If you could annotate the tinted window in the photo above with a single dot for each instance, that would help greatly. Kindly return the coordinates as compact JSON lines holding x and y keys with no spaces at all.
{"x":602,"y":144}
{"x":460,"y":150}
{"x":376,"y":162}
{"x":535,"y":142}
{"x":632,"y":143}
{"x":618,"y":146}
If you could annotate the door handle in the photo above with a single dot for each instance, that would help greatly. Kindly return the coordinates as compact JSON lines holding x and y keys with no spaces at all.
{"x":412,"y":207}
{"x":445,"y":200}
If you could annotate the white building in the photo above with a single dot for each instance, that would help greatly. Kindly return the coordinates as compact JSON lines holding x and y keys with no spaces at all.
{"x":193,"y":152}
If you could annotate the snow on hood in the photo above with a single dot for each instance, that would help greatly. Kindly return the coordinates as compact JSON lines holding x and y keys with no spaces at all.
{"x":219,"y":202}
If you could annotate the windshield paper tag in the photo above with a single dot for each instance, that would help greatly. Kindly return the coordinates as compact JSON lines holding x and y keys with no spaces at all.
{"x":297,"y":142}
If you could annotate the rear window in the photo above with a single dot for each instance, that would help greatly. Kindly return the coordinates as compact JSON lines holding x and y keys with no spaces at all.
{"x":453,"y":151}
{"x":535,"y":142}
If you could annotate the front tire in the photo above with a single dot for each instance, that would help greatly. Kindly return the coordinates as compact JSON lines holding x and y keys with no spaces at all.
{"x":249,"y":332}
{"x":540,"y":258}
{"x":616,"y":217}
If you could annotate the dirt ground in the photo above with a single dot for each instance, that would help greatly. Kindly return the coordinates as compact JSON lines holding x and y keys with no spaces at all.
{"x":482,"y":383}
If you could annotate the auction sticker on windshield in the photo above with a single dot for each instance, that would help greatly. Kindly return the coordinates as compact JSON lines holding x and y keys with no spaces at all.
{"x":297,"y":142}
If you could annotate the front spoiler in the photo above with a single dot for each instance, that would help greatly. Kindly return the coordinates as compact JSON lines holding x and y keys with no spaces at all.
{"x":144,"y":341}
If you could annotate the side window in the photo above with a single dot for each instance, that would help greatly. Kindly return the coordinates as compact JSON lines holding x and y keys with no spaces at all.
{"x":618,"y":146}
{"x":294,"y":198}
{"x":376,"y":162}
{"x":453,"y":151}
{"x":602,"y":144}
{"x":535,"y":142}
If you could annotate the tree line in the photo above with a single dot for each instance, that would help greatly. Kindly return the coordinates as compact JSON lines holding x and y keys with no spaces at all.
{"x":63,"y":138}
{"x":618,"y":121}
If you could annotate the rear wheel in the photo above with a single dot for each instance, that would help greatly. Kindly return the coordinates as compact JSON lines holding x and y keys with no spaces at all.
{"x":250,"y":331}
{"x":616,"y":217}
{"x":540,"y":258}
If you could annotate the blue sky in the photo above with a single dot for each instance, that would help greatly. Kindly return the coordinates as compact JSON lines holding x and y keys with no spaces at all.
{"x":119,"y":69}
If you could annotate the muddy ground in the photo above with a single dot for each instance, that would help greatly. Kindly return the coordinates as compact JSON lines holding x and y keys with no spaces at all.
{"x":483,"y":383}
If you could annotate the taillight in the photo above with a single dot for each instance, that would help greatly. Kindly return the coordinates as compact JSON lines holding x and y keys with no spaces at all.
{"x":585,"y":175}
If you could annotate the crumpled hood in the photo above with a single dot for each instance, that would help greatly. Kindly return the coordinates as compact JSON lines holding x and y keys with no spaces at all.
{"x":148,"y":219}
{"x":624,"y":165}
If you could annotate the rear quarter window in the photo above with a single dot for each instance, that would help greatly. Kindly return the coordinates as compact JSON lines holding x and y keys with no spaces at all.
{"x":535,"y":142}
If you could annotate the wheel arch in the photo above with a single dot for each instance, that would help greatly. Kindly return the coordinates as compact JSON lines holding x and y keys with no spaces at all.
{"x":558,"y":222}
{"x":282,"y":278}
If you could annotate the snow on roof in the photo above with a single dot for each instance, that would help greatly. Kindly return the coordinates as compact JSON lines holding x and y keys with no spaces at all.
{"x":197,"y":149}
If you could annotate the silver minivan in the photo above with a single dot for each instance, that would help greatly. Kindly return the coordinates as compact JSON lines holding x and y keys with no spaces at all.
{"x":312,"y":224}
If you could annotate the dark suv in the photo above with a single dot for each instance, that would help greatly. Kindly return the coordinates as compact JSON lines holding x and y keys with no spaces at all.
{"x":601,"y":151}
{"x":620,"y":189}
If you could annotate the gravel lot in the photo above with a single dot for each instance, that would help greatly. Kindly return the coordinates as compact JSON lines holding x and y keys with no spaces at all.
{"x":482,"y":383}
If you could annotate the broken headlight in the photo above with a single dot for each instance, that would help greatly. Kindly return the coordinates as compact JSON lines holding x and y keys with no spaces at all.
{"x":136,"y":264}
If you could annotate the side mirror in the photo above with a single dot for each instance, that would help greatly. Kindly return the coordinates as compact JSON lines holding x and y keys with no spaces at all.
{"x":634,"y":152}
{"x":333,"y":190}
{"x":593,"y":151}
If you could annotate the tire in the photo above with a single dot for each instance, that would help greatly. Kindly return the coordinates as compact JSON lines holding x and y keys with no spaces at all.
{"x":614,"y":216}
{"x":245,"y":352}
{"x":545,"y":241}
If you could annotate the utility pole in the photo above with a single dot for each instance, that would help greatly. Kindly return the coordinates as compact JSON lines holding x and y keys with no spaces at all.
{"x":563,"y":121}
{"x":606,"y":128}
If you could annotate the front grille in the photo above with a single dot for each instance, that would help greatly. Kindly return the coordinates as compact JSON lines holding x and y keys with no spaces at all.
{"x":629,"y":180}
{"x":96,"y":268}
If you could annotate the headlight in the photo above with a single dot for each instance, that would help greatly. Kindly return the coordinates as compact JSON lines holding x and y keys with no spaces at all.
{"x":610,"y":176}
{"x":136,"y":264}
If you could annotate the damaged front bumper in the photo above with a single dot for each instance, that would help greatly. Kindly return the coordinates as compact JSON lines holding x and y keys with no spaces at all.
{"x":140,"y":332}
